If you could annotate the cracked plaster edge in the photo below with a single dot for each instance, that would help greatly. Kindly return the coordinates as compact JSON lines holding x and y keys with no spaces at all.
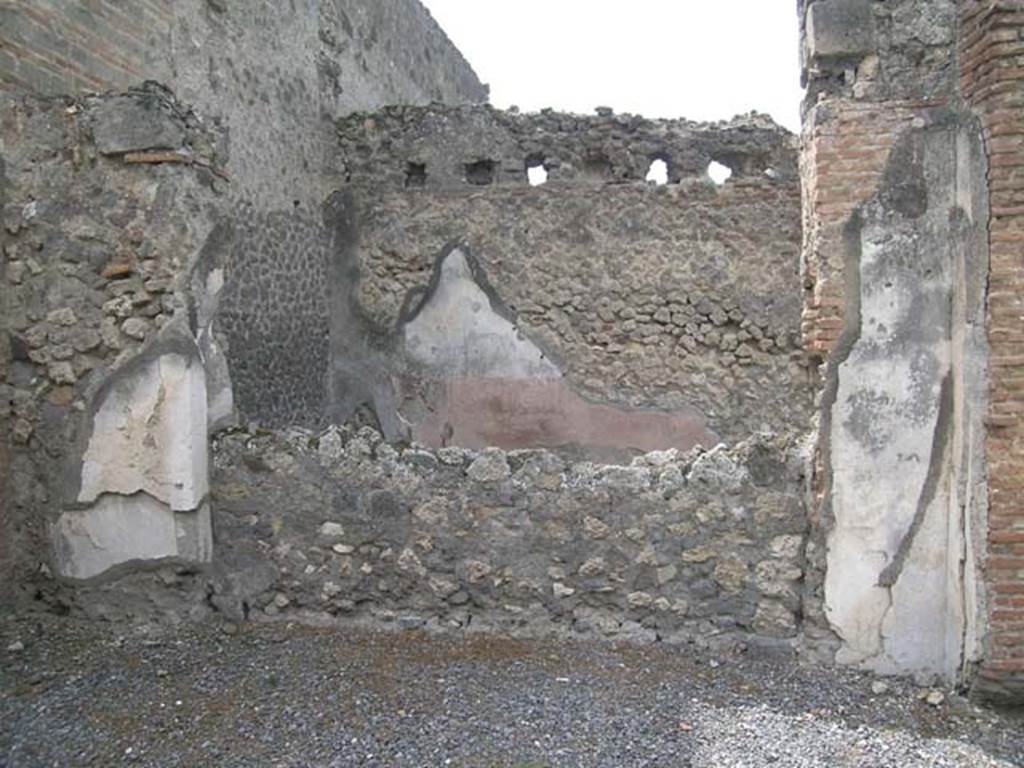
{"x":203,"y":559}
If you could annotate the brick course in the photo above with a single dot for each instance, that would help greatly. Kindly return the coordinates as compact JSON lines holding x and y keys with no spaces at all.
{"x":57,"y":47}
{"x":991,"y":51}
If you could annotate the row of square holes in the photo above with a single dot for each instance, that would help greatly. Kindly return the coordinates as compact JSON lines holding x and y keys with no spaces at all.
{"x":537,"y":174}
{"x":657,"y":173}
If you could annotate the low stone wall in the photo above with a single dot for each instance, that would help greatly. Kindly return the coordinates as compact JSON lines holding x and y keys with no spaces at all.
{"x":344,"y":526}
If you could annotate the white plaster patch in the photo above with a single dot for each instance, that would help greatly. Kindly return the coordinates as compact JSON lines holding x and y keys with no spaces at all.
{"x":458,"y":333}
{"x":884,"y":424}
{"x":120,"y":529}
{"x":149,"y":435}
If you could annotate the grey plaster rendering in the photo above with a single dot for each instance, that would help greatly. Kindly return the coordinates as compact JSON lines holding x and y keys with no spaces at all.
{"x":871,"y":50}
{"x":889,"y":590}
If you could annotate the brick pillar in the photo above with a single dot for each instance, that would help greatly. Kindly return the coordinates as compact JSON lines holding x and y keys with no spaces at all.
{"x":991,"y":50}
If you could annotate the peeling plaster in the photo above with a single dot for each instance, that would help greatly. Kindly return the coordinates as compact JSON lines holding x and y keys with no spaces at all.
{"x":139,"y":490}
{"x":487,"y":384}
{"x":457,"y":332}
{"x":893,"y":410}
{"x":149,"y":434}
{"x":118,"y":529}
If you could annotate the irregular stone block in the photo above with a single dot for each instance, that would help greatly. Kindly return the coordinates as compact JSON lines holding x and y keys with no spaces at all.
{"x":489,"y":467}
{"x":133,"y":124}
{"x":837,"y":28}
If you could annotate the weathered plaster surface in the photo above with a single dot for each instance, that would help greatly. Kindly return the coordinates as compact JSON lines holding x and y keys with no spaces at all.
{"x":97,"y":316}
{"x":458,"y":333}
{"x":493,"y":386}
{"x":141,"y":492}
{"x":148,"y":434}
{"x":118,"y":530}
{"x":895,"y":585}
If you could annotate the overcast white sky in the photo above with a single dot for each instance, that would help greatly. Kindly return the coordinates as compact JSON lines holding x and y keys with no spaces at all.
{"x":699,"y":59}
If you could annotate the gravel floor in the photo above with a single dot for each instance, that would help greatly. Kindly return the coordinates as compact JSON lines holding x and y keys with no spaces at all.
{"x":284,"y":695}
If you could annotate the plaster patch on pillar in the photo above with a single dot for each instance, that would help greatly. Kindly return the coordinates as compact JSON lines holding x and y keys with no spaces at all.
{"x":117,"y":530}
{"x":137,"y":491}
{"x":149,"y":434}
{"x":883,"y":426}
{"x":888,"y":425}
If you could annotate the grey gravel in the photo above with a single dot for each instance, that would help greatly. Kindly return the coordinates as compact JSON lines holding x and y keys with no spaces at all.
{"x":285,"y":695}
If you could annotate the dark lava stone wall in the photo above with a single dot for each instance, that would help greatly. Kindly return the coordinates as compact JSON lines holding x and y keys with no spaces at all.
{"x":273,"y":318}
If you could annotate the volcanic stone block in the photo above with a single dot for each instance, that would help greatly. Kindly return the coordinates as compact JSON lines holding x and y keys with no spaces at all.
{"x":840,"y":28}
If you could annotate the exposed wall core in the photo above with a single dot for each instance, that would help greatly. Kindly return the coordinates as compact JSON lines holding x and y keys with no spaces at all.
{"x":632,"y":317}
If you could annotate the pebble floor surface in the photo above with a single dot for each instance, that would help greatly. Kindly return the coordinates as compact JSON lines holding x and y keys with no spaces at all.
{"x":291,"y":696}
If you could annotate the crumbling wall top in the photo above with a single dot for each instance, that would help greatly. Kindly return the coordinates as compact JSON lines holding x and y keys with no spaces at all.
{"x":440,"y":146}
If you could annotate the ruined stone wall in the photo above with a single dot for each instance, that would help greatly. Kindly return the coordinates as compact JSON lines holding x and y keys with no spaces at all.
{"x":597,"y":311}
{"x":104,"y":402}
{"x":596,"y":327}
{"x":340,"y":525}
{"x":262,"y":82}
{"x":898,"y":173}
{"x":131,"y":292}
{"x":991,"y":40}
